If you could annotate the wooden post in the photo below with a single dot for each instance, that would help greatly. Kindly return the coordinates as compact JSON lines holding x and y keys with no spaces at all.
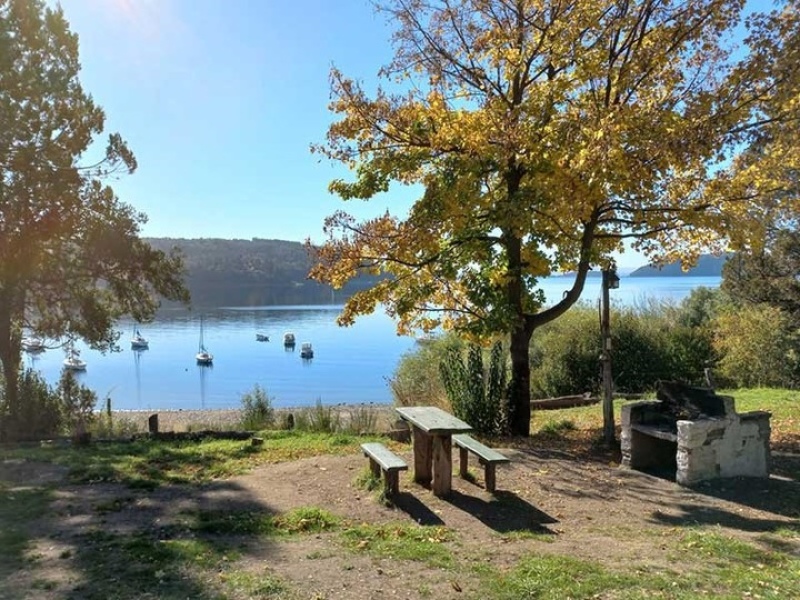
{"x":605,"y":359}
{"x":152,"y":423}
{"x":463,"y":456}
{"x":423,"y":458}
{"x":375,"y":468}
{"x":392,"y":483}
{"x":442,"y":465}
{"x":490,"y":477}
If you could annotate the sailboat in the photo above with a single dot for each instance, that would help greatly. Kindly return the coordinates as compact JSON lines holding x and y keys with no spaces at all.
{"x":138,"y":341}
{"x":73,"y":362}
{"x":203,"y":356}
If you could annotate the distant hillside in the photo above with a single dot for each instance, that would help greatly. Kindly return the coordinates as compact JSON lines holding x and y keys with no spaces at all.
{"x":252,"y":273}
{"x":708,"y":265}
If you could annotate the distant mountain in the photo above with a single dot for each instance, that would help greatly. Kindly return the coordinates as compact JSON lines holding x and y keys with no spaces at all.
{"x":708,"y":265}
{"x":255,"y":272}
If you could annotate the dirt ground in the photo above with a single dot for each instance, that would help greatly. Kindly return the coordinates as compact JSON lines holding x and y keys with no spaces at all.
{"x":583,"y":506}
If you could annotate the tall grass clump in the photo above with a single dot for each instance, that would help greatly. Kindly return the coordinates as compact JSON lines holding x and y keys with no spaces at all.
{"x":257,"y":410}
{"x":318,"y":419}
{"x":477,"y":393}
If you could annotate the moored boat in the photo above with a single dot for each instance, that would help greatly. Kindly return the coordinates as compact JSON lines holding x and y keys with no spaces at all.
{"x":288,"y":339}
{"x":306,"y":351}
{"x":203,"y":356}
{"x":73,"y":361}
{"x":138,"y":341}
{"x":33,"y":344}
{"x":262,"y":337}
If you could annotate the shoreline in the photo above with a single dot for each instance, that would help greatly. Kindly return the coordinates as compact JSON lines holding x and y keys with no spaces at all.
{"x":180,"y":420}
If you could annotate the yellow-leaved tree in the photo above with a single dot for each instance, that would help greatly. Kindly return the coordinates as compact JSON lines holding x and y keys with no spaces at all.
{"x":544,"y":134}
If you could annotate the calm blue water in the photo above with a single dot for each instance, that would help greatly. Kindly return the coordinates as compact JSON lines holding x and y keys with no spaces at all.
{"x":350,"y":365}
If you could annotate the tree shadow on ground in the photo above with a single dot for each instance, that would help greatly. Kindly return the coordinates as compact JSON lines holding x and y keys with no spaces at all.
{"x":506,"y":512}
{"x":110,"y":541}
{"x":164,"y":542}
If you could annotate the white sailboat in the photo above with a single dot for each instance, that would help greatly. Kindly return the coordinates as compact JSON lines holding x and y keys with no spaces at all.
{"x":138,"y":341}
{"x":73,"y":361}
{"x":203,"y":356}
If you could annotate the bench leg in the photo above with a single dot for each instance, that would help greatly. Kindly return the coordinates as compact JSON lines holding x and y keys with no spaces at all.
{"x":375,"y":468}
{"x":463,"y":455}
{"x":489,"y":476}
{"x":392,"y":482}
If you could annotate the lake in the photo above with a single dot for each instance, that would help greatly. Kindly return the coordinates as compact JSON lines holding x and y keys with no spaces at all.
{"x":350,"y":365}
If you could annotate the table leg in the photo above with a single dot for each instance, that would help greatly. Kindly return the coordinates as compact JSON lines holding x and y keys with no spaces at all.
{"x":422,"y":456}
{"x":442,"y":465}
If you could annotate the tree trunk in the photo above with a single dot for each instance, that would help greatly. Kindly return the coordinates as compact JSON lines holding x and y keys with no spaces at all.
{"x":10,"y":362}
{"x":519,"y":396}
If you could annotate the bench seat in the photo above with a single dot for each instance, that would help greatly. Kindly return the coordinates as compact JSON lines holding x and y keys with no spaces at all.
{"x":488,"y":457}
{"x":381,"y":459}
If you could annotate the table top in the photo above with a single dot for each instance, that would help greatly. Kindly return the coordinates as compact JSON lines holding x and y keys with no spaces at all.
{"x":432,"y":419}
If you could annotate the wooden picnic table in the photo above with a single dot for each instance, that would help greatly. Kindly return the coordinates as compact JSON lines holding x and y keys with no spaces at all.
{"x":433,"y":429}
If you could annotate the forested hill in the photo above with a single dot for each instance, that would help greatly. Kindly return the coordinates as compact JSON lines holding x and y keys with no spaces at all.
{"x":252,"y":273}
{"x":707,"y":265}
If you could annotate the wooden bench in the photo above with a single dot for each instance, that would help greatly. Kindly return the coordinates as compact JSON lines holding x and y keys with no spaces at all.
{"x":488,"y":457}
{"x":383,"y":459}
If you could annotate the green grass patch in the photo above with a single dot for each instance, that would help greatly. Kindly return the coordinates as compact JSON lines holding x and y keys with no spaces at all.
{"x":400,"y":541}
{"x":244,"y":584}
{"x":547,"y":577}
{"x":146,"y":464}
{"x":18,"y":508}
{"x":298,"y":521}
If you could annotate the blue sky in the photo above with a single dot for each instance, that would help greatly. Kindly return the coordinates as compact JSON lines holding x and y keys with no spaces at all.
{"x":220,"y":101}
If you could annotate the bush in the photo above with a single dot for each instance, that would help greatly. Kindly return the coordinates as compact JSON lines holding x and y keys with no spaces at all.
{"x":648,"y":344}
{"x":757,"y":345}
{"x":477,"y":394}
{"x":78,"y":403}
{"x":39,"y":413}
{"x":257,"y":411}
{"x":417,"y":379}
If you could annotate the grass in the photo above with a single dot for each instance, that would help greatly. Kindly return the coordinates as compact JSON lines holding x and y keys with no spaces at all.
{"x":146,"y":464}
{"x":18,"y":509}
{"x":401,"y":541}
{"x":209,"y":554}
{"x":711,"y":565}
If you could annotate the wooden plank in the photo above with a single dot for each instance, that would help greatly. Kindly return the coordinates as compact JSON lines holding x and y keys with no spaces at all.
{"x":388,"y":460}
{"x":433,"y":420}
{"x":488,"y":455}
{"x":423,"y":456}
{"x":442,"y":465}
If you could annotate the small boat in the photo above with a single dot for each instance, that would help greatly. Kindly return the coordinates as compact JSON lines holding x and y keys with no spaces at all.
{"x":203,"y":356}
{"x":306,"y":351}
{"x":138,"y":341}
{"x":33,"y":344}
{"x":73,"y":362}
{"x":261,"y":337}
{"x":288,"y":339}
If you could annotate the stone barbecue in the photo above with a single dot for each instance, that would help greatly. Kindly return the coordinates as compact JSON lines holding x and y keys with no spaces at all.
{"x":695,"y":433}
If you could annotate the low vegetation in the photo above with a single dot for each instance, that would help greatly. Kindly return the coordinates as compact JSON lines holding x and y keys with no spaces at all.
{"x":207,"y":553}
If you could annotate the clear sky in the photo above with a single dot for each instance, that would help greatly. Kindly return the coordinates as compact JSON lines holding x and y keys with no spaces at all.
{"x":220,"y":101}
